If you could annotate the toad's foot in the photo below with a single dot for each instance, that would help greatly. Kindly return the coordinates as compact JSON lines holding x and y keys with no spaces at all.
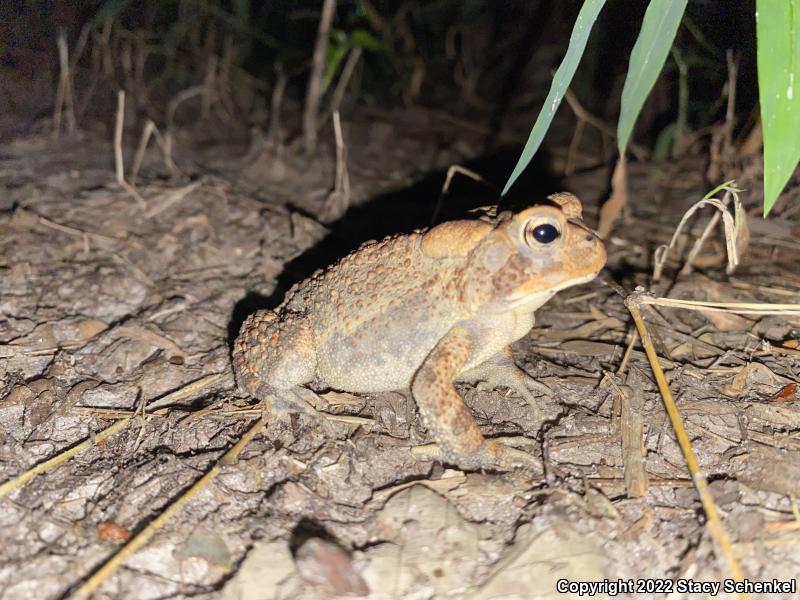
{"x":281,"y":404}
{"x":500,"y":371}
{"x":492,"y":455}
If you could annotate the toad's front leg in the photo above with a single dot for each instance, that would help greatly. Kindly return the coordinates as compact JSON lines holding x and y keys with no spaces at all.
{"x":447,"y":417}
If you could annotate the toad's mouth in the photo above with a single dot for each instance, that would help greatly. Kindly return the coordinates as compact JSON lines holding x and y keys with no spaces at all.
{"x":522,"y":299}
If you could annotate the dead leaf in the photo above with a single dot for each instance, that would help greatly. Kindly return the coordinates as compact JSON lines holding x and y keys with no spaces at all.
{"x":787,"y":393}
{"x":428,"y":543}
{"x":769,"y":469}
{"x":612,"y":208}
{"x":754,"y":375}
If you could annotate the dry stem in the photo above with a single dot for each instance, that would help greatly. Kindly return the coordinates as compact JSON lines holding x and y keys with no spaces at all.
{"x":64,"y":98}
{"x":344,"y":80}
{"x":310,"y":113}
{"x":120,"y":166}
{"x":714,"y":524}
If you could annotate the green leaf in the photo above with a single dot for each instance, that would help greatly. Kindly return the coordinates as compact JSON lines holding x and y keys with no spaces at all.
{"x":649,"y":53}
{"x":665,"y":142}
{"x":334,"y":56}
{"x":778,"y":56}
{"x":561,"y":81}
{"x":361,"y":38}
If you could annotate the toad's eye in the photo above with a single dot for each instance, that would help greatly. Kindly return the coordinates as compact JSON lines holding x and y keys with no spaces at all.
{"x":545,"y":233}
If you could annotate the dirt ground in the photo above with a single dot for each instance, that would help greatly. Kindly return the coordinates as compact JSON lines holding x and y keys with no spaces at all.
{"x":114,"y":311}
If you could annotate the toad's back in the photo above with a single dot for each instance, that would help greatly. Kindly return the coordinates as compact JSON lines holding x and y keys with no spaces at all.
{"x":377,"y":313}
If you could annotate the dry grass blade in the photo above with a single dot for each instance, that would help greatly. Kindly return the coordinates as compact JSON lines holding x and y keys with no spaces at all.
{"x":733,"y":228}
{"x":742,"y":308}
{"x":173,"y":198}
{"x":714,"y":523}
{"x":52,"y":463}
{"x":111,"y":566}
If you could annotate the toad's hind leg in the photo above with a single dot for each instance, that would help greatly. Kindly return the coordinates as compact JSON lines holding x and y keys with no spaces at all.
{"x":446,"y":415}
{"x":273,"y":358}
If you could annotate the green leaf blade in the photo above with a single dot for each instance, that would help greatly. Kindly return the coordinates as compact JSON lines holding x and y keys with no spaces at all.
{"x":778,"y":57}
{"x":561,"y":80}
{"x":660,"y":23}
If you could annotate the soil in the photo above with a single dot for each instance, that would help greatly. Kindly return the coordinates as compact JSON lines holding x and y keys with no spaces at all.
{"x":115,"y":310}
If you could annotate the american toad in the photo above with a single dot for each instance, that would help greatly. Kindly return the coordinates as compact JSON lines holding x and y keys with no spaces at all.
{"x":424,"y":310}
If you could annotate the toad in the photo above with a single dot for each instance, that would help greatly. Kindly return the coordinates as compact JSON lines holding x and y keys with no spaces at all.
{"x":422,"y":311}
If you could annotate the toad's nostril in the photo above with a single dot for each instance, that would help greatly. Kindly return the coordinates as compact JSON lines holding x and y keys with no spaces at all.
{"x":589,"y":237}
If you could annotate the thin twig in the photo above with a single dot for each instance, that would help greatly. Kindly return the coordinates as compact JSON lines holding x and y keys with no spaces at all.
{"x":448,"y":180}
{"x":76,"y":232}
{"x":52,"y":463}
{"x":172,"y":198}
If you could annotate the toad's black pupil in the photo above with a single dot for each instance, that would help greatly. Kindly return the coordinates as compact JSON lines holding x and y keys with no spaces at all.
{"x":546,"y":233}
